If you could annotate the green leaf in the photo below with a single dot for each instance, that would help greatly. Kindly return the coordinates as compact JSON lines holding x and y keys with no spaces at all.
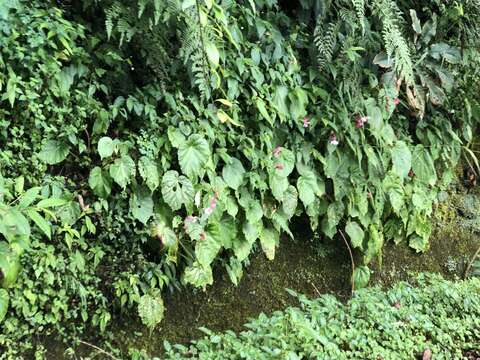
{"x":151,"y":310}
{"x":284,"y":163}
{"x":206,"y":250}
{"x":212,"y":54}
{"x":269,"y":239}
{"x":253,"y":211}
{"x":4,"y":301}
{"x":233,"y":173}
{"x":100,"y":182}
{"x":141,"y":205}
{"x":29,"y":197}
{"x":263,"y":110}
{"x":356,"y":234}
{"x":53,"y":152}
{"x":193,"y":154}
{"x":9,"y":266}
{"x":290,"y":201}
{"x":198,"y":275}
{"x":278,"y":185}
{"x":105,"y":147}
{"x":123,"y":170}
{"x":149,"y":172}
{"x":177,"y":190}
{"x":423,"y":166}
{"x":402,"y":159}
{"x":42,"y":224}
{"x":51,"y":202}
{"x":361,"y":277}
{"x":307,"y":186}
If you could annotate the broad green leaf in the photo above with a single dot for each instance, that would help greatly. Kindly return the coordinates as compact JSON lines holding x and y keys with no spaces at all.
{"x":401,"y":159}
{"x":100,"y":182}
{"x":375,"y":243}
{"x":141,"y":205}
{"x":51,"y":202}
{"x":307,"y":186}
{"x":165,"y":234}
{"x":123,"y":170}
{"x":212,"y":54}
{"x":53,"y":152}
{"x":187,"y":3}
{"x":193,"y":154}
{"x":177,"y":190}
{"x":149,"y":172}
{"x":13,"y":223}
{"x":290,"y":201}
{"x":198,"y":275}
{"x":361,"y":277}
{"x":234,"y":270}
{"x":356,"y":234}
{"x":233,"y":173}
{"x":207,"y":249}
{"x":269,"y":239}
{"x":284,"y":162}
{"x":42,"y":224}
{"x":4,"y":302}
{"x":9,"y":266}
{"x":29,"y":197}
{"x":278,"y":185}
{"x":151,"y":310}
{"x":263,"y":110}
{"x":105,"y":147}
{"x":423,"y":166}
{"x":253,"y":211}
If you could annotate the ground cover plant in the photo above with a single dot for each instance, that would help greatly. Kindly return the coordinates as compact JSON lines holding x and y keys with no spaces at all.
{"x":143,"y":143}
{"x":430,"y":317}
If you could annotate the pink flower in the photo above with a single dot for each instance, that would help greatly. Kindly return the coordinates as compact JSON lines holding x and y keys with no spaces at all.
{"x":277,"y":151}
{"x":279,"y":167}
{"x":202,"y":236}
{"x":333,"y":139}
{"x":396,"y":101}
{"x":360,"y":121}
{"x":208,"y":211}
{"x":191,"y":218}
{"x":306,"y":122}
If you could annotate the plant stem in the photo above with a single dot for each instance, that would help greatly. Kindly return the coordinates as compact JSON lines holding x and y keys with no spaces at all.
{"x":98,"y":349}
{"x":351,"y":259}
{"x":471,"y":262}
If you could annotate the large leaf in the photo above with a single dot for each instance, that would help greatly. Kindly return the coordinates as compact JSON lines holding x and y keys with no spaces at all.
{"x":269,"y":238}
{"x":105,"y":147}
{"x":100,"y":182}
{"x":283,"y":162}
{"x":123,"y":170}
{"x":278,"y":185}
{"x":361,"y":277}
{"x":290,"y":201}
{"x":193,"y":154}
{"x":212,"y":54}
{"x":307,"y":186}
{"x":198,"y":275}
{"x":53,"y":152}
{"x":148,"y":170}
{"x":356,"y":234}
{"x":42,"y":224}
{"x":207,"y":249}
{"x":141,"y":205}
{"x":422,"y":166}
{"x":233,"y":173}
{"x":401,"y":159}
{"x":9,"y":265}
{"x":177,"y":190}
{"x":4,"y":300}
{"x":151,"y":309}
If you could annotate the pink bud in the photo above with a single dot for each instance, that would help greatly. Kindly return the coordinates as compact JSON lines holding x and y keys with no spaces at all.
{"x":279,"y":167}
{"x":333,"y":139}
{"x":306,"y":122}
{"x":277,"y":151}
{"x":396,"y":101}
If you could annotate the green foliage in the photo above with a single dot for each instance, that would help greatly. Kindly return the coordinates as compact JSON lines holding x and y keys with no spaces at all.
{"x":400,"y":323}
{"x":182,"y":135}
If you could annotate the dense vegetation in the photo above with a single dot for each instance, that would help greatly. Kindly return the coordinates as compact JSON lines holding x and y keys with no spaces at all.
{"x":432,"y":318}
{"x":144,"y":142}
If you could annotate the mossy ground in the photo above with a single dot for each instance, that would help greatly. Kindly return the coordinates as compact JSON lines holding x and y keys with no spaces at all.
{"x":309,"y":267}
